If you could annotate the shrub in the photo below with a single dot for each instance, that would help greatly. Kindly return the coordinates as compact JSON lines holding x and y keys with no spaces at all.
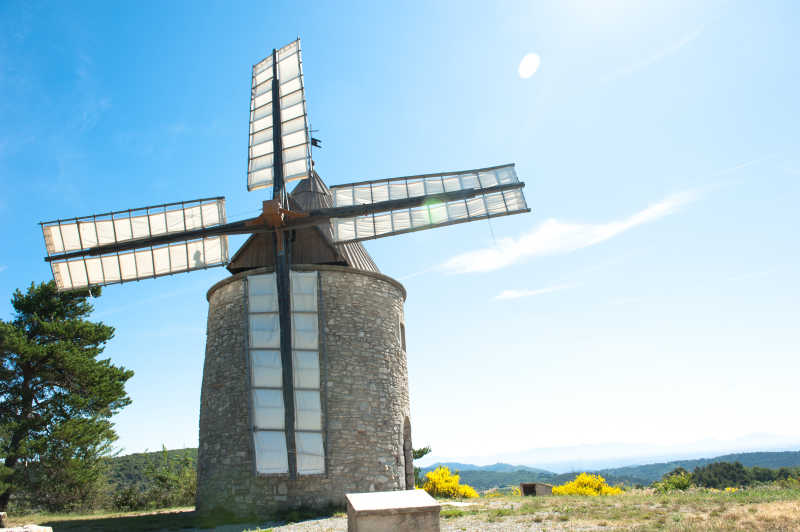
{"x":128,"y":498}
{"x":171,"y":483}
{"x":674,"y":481}
{"x":417,"y":454}
{"x":442,"y":483}
{"x":586,"y":484}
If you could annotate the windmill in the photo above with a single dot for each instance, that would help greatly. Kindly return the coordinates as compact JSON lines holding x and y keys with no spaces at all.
{"x":318,"y":405}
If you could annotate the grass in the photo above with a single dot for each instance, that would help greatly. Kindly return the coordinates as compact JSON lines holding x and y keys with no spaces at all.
{"x":164,"y":519}
{"x":763,"y":508}
{"x":758,"y":508}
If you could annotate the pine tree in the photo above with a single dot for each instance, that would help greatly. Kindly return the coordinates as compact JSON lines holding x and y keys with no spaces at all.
{"x":56,"y":397}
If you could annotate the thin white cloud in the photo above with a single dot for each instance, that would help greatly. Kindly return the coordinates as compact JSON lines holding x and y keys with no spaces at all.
{"x":554,"y":237}
{"x":3,"y":268}
{"x":626,"y":300}
{"x":750,"y":275}
{"x":416,"y":274}
{"x":658,"y":56}
{"x":516,"y":294}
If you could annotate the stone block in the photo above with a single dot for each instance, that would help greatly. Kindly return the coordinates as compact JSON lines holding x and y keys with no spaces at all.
{"x":396,"y":511}
{"x":28,"y":528}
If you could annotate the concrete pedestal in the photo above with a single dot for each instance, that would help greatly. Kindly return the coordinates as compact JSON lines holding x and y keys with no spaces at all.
{"x":398,"y":511}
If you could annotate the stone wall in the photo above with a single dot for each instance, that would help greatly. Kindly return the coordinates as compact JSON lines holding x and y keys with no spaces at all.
{"x":364,"y":391}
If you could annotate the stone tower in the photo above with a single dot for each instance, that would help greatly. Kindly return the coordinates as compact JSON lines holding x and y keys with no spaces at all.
{"x":351,"y":381}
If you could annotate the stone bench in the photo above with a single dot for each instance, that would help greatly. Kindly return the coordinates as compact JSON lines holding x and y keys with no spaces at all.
{"x":396,"y":511}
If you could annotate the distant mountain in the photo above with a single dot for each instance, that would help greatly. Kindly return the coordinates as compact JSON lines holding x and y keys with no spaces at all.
{"x":130,"y":469}
{"x":610,"y":455}
{"x":502,"y":475}
{"x":499,"y":467}
{"x":645,"y":474}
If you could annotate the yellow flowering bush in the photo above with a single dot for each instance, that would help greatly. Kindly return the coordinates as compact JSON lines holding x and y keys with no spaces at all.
{"x":516,"y":492}
{"x":442,"y":483}
{"x":586,"y":484}
{"x":730,"y":489}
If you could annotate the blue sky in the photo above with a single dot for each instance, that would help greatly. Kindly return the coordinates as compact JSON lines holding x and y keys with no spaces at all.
{"x":651,"y":297}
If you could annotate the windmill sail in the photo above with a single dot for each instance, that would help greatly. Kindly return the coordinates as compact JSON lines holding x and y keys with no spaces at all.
{"x":293,"y":124}
{"x":82,"y":253}
{"x":442,"y":199}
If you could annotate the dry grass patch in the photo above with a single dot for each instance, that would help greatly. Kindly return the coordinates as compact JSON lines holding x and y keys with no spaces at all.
{"x":759,"y":509}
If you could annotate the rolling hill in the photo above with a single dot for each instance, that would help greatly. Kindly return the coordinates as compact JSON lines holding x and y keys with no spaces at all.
{"x":129,"y":469}
{"x":501,"y":475}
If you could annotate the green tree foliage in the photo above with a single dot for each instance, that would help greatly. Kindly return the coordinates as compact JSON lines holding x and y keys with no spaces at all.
{"x":720,"y":475}
{"x":723,"y":474}
{"x":56,"y":398}
{"x":173,"y":482}
{"x":676,"y":480}
{"x":417,"y":454}
{"x":132,"y":469}
{"x":166,"y":479}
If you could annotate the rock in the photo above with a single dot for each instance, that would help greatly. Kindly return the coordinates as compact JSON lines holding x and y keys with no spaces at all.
{"x":27,"y":528}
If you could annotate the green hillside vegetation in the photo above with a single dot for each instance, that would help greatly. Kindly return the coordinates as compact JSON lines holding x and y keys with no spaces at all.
{"x":131,"y":469}
{"x":646,"y":474}
{"x":488,"y":477}
{"x":722,"y":475}
{"x":484,"y":480}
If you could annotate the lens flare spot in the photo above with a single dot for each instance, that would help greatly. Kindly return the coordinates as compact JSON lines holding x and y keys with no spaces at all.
{"x":529,"y":65}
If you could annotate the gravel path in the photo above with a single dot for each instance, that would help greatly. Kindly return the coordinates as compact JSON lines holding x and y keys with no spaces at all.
{"x":456,"y":524}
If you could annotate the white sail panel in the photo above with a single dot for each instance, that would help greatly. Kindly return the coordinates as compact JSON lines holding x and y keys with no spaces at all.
{"x":308,"y":410}
{"x":262,"y":291}
{"x":433,"y":214}
{"x":368,"y":192}
{"x":145,"y":263}
{"x":266,"y":370}
{"x":306,"y":369}
{"x":310,"y":453}
{"x":271,"y":456}
{"x":76,"y":234}
{"x":294,"y":127}
{"x":268,"y":410}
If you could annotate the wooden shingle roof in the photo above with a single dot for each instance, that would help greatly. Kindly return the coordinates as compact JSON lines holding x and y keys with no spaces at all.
{"x":312,"y":245}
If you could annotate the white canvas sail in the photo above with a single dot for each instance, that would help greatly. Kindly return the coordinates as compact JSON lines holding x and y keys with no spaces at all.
{"x":294,"y":128}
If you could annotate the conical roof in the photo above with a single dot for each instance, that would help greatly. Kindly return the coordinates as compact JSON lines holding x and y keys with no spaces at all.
{"x":313,"y":245}
{"x":312,"y":193}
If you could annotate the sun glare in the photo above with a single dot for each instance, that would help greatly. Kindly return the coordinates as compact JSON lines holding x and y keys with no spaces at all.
{"x":529,"y":65}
